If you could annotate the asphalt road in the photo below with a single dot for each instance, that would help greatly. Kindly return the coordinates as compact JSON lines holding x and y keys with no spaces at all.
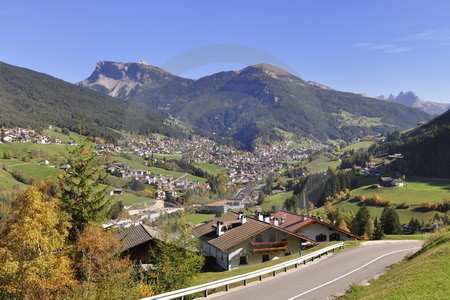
{"x":327,"y":276}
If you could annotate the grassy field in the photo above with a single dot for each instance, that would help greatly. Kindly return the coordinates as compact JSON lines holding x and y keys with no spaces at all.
{"x":130,"y":199}
{"x":63,"y":137}
{"x":36,"y":171}
{"x":405,"y":215}
{"x":26,"y":148}
{"x":166,"y":156}
{"x":357,"y":146}
{"x":8,"y":183}
{"x":417,"y":190}
{"x":321,"y":164}
{"x":199,"y":218}
{"x":423,"y":276}
{"x":209,"y":168}
{"x":275,"y":200}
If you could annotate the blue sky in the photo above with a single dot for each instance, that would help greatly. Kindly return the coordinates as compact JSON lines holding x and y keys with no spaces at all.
{"x":372,"y":47}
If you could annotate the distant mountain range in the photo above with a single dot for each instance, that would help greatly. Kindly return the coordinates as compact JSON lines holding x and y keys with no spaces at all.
{"x":412,"y":100}
{"x":29,"y":98}
{"x":248,"y":106}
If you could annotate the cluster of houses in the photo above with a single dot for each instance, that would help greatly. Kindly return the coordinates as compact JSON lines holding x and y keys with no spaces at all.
{"x":234,"y":239}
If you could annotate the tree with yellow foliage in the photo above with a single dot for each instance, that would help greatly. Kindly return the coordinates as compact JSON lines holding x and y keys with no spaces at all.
{"x":33,"y":260}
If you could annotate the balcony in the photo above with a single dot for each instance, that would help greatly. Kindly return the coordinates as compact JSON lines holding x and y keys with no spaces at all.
{"x":268,"y":246}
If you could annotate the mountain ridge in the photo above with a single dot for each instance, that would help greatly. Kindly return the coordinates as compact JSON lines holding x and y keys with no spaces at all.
{"x":412,"y":100}
{"x":247,"y":105}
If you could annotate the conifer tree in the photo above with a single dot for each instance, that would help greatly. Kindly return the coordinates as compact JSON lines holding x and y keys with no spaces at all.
{"x":82,"y":198}
{"x":360,"y":220}
{"x":378,"y":233}
{"x":390,"y":221}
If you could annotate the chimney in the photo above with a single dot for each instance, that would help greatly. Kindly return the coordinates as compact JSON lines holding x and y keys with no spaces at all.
{"x":240,"y":214}
{"x":243,"y":219}
{"x":275,"y":222}
{"x":267,"y":219}
{"x":260,"y":217}
{"x":219,"y":227}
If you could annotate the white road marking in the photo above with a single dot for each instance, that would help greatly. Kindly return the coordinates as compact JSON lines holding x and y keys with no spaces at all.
{"x":355,"y":270}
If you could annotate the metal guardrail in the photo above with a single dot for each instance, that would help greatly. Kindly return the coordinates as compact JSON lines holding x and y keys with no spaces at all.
{"x":244,"y":277}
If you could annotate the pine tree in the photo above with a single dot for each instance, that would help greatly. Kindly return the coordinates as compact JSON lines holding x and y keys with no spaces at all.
{"x":81,"y":197}
{"x":378,"y":233}
{"x":390,"y":221}
{"x":360,"y":220}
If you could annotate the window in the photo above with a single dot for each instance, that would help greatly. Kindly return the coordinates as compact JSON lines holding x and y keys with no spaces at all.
{"x":258,"y":238}
{"x":243,"y":260}
{"x":221,"y":256}
{"x":335,"y":237}
{"x":321,"y":238}
{"x":272,"y":236}
{"x":265,"y":257}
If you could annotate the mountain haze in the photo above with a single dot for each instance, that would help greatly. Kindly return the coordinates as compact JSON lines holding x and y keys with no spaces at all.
{"x":412,"y":100}
{"x":247,"y":105}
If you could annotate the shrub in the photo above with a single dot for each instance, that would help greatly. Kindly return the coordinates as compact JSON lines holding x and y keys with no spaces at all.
{"x":403,"y":205}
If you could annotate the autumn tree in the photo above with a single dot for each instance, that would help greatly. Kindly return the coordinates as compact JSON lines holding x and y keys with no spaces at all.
{"x":343,"y":225}
{"x":369,"y":229}
{"x":101,"y":271}
{"x":82,"y":197}
{"x":33,"y":261}
{"x":174,"y":258}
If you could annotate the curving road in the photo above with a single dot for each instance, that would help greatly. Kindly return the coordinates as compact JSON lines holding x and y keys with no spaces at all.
{"x":328,"y":276}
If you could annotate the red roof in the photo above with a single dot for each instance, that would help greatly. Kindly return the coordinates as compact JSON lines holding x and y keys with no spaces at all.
{"x":295,"y":223}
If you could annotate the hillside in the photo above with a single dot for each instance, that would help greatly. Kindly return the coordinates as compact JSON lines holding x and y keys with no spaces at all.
{"x":29,"y":98}
{"x":247,"y":106}
{"x":425,"y":149}
{"x":422,"y":276}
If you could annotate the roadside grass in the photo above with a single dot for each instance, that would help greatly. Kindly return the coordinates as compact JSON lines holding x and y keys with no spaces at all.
{"x":276,"y":200}
{"x":199,"y":218}
{"x":209,"y":168}
{"x":424,"y":275}
{"x":321,"y":164}
{"x":213,"y":276}
{"x":400,"y":237}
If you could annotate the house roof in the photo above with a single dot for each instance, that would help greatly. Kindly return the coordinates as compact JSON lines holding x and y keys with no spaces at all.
{"x":294,"y":222}
{"x":137,"y":235}
{"x":236,"y":234}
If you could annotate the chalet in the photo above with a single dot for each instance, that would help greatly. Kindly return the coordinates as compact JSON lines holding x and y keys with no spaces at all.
{"x":389,"y":181}
{"x":137,"y":241}
{"x":116,"y":192}
{"x":224,"y":206}
{"x":234,"y":240}
{"x":312,"y":228}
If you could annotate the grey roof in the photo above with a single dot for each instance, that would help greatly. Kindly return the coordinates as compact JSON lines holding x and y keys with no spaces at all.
{"x":137,"y":235}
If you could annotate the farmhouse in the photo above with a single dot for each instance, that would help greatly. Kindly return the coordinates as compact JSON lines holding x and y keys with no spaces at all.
{"x":234,"y":240}
{"x":312,"y":228}
{"x":389,"y":181}
{"x":137,"y":241}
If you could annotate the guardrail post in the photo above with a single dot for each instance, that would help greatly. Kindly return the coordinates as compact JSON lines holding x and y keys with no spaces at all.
{"x":304,"y":262}
{"x":296,"y":266}
{"x":227,"y":287}
{"x":245,"y":282}
{"x":285,"y":269}
{"x":260,"y":277}
{"x":312,"y":258}
{"x":274,"y":273}
{"x":205,"y":293}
